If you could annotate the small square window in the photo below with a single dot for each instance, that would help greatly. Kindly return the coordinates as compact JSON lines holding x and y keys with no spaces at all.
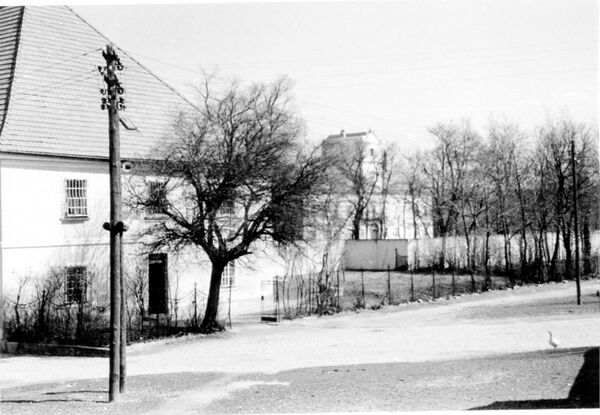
{"x":76,"y":198}
{"x":228,"y":277}
{"x":76,"y":284}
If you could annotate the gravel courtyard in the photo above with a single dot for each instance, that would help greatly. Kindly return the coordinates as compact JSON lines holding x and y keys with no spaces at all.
{"x":483,"y":351}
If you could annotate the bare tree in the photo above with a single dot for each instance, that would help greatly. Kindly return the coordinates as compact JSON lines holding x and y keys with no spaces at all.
{"x":412,"y":181}
{"x":357,"y":172}
{"x":553,"y":151}
{"x":503,"y":164}
{"x":447,"y":171}
{"x":235,"y":173}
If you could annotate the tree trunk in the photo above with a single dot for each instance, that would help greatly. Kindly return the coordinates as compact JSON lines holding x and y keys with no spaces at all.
{"x":568,"y":251}
{"x":486,"y":252}
{"x":507,"y":267}
{"x":587,"y":246}
{"x":442,"y":263}
{"x":486,"y":259}
{"x":356,"y":226}
{"x":553,"y":270}
{"x":209,"y":322}
{"x":414,"y":217}
{"x":541,"y":253}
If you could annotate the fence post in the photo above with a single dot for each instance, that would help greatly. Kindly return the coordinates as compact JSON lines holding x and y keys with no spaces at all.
{"x":433,"y":283}
{"x":338,"y":289}
{"x":412,"y":286}
{"x":229,"y":301}
{"x":309,"y":295}
{"x":453,"y":284}
{"x":389,"y":286}
{"x":277,"y":298}
{"x":362,"y":283}
{"x":195,"y":306}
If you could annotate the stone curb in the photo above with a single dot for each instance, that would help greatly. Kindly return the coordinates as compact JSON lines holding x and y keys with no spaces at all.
{"x":16,"y":348}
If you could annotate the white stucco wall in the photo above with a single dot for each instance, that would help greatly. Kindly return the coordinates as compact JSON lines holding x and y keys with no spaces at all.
{"x":36,"y":237}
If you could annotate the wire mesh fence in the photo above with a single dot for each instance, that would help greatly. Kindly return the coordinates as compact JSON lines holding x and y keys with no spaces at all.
{"x":292,"y":296}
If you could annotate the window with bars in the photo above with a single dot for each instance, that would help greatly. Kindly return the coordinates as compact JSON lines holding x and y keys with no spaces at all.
{"x":157,"y":197}
{"x":76,"y":284}
{"x":76,"y":198}
{"x":228,"y":277}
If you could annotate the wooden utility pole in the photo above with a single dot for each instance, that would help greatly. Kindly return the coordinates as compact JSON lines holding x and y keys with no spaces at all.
{"x":576,"y":223}
{"x":113,"y":102}
{"x":123,"y":335}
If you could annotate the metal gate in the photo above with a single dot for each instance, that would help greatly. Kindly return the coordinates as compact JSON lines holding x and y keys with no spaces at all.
{"x":269,"y":301}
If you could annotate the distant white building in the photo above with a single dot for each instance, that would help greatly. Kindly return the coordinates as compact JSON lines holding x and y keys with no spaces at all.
{"x":389,"y":214}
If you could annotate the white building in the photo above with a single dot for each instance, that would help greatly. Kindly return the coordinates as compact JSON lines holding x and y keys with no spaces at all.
{"x":54,"y":182}
{"x":389,"y":214}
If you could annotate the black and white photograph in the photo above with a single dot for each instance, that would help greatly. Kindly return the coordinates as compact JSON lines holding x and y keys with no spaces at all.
{"x":285,"y":207}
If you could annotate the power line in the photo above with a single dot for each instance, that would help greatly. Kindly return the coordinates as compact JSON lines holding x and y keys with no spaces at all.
{"x":440,"y":65}
{"x":62,"y":61}
{"x":57,"y":84}
{"x":369,"y":59}
{"x":187,"y":68}
{"x":486,"y":76}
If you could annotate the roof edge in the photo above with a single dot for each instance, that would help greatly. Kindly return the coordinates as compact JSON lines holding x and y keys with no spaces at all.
{"x":12,"y":69}
{"x":73,"y":157}
{"x":135,"y":60}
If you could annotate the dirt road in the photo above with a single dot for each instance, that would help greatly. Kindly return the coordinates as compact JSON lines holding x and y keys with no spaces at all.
{"x":407,"y":357}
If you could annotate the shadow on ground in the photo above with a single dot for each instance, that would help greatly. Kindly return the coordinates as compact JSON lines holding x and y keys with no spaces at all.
{"x":584,"y":392}
{"x":49,"y":400}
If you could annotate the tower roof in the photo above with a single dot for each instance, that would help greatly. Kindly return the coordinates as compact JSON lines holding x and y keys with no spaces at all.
{"x":49,"y":89}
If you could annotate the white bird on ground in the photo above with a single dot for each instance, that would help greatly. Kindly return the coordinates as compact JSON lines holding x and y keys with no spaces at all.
{"x":553,"y":340}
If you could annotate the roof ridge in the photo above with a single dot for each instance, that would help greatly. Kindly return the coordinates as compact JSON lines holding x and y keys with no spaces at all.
{"x":12,"y":69}
{"x":133,"y":59}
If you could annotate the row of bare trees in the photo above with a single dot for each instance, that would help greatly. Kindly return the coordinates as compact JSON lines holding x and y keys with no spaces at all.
{"x":512,"y":184}
{"x":236,"y":174}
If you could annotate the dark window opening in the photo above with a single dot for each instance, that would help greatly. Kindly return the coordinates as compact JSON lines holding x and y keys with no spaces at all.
{"x":76,"y":284}
{"x":158,"y":284}
{"x":157,"y":198}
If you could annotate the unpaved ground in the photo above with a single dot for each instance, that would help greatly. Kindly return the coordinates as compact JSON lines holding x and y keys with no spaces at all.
{"x":491,"y":347}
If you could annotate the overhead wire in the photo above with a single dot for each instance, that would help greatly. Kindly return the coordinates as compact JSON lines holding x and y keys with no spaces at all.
{"x":58,"y":83}
{"x":63,"y":61}
{"x":370,"y":59}
{"x":440,"y":64}
{"x":413,"y":68}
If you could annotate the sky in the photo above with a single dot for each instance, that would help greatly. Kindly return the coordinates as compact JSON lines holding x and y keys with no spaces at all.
{"x":397,"y":67}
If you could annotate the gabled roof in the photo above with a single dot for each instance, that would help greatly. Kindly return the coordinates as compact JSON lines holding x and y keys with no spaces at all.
{"x":49,"y":89}
{"x":343,"y":134}
{"x":344,"y":139}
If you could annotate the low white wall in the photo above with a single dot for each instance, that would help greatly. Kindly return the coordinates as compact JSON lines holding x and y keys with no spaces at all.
{"x":375,"y":254}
